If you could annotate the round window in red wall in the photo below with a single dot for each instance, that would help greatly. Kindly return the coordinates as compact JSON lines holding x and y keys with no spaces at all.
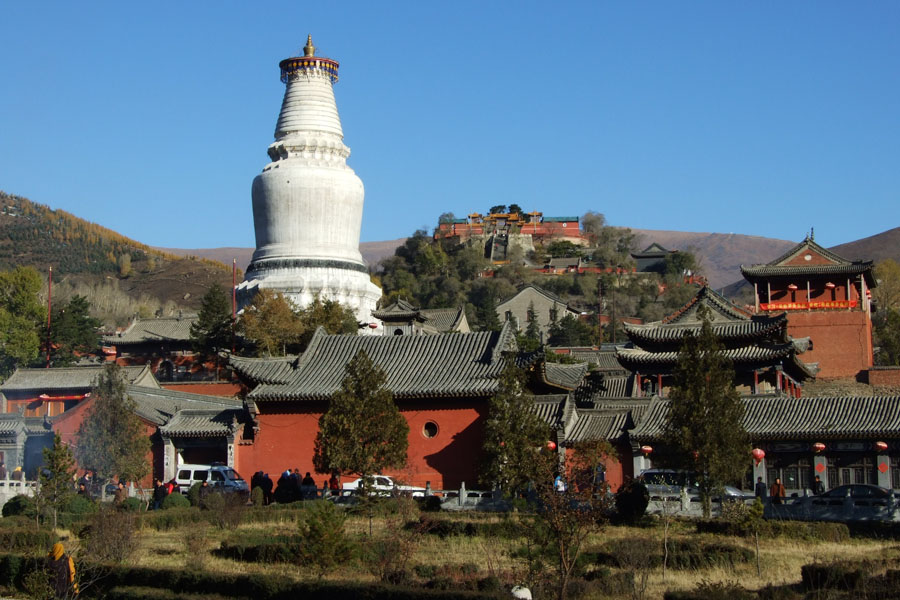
{"x":430,"y":429}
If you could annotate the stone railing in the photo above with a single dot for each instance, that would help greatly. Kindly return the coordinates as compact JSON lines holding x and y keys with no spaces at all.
{"x":15,"y":487}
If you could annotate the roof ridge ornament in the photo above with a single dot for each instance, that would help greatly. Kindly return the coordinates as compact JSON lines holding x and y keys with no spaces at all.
{"x":309,"y":49}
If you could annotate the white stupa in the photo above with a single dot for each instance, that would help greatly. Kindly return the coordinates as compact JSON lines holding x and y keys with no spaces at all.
{"x":307,"y":203}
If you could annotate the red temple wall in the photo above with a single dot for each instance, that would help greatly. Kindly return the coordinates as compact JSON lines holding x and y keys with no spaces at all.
{"x":286,"y":440}
{"x":842,"y":341}
{"x":222,"y":389}
{"x":884,"y":376}
{"x":69,"y":422}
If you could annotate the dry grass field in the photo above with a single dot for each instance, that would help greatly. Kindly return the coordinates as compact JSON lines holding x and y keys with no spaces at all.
{"x":459,"y":559}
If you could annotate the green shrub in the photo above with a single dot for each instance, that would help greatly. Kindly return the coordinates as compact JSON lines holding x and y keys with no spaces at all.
{"x":264,"y":549}
{"x":429,"y":503}
{"x":798,"y":530}
{"x":707,"y":590}
{"x":213,"y":501}
{"x":632,"y":500}
{"x":164,"y":520}
{"x":133,"y":505}
{"x":175,"y":500}
{"x":684,"y":554}
{"x":27,"y":540}
{"x":837,"y":575}
{"x":19,"y":505}
{"x":258,"y":496}
{"x":325,"y":545}
{"x":193,"y":494}
{"x":80,"y":505}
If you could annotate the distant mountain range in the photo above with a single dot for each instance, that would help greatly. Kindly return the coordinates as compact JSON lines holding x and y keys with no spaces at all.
{"x":33,"y":234}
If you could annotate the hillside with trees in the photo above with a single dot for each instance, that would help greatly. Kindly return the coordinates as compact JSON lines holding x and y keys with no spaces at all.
{"x":444,"y":273}
{"x":117,"y":276}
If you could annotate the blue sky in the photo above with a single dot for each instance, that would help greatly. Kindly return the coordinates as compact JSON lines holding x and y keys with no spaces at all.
{"x":762,"y":118}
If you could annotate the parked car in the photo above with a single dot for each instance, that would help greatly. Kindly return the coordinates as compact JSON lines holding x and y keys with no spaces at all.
{"x":382,"y":485}
{"x":860,"y":493}
{"x":666,"y":484}
{"x":221,"y":477}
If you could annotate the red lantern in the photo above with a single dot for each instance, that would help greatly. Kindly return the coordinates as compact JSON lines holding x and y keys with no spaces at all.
{"x":818,"y":447}
{"x":373,"y":325}
{"x":829,"y":285}
{"x":551,"y":445}
{"x":881,"y":446}
{"x":758,"y":454}
{"x":792,"y":287}
{"x":646,"y":450}
{"x":695,"y":454}
{"x":502,"y":444}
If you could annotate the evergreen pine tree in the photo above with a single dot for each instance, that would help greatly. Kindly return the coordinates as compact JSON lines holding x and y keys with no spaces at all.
{"x":72,"y":330}
{"x":112,"y":439}
{"x":513,"y":433}
{"x":704,"y":429}
{"x":362,"y":431}
{"x":212,"y":333}
{"x":56,"y":477}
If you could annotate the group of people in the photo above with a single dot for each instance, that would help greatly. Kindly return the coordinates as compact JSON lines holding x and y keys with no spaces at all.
{"x":778,"y":492}
{"x":160,"y":491}
{"x":291,"y":487}
{"x":16,"y":475}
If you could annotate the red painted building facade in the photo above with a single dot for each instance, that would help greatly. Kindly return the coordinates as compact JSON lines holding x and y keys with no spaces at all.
{"x":826,"y":298}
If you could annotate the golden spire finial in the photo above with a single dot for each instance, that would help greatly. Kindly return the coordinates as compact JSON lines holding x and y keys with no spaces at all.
{"x":309,"y":49}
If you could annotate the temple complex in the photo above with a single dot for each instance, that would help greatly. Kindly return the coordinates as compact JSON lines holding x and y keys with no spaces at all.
{"x":766,"y":359}
{"x":826,"y":298}
{"x":307,"y":203}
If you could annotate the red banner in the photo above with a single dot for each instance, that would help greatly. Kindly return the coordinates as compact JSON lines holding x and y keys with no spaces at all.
{"x":817,"y":305}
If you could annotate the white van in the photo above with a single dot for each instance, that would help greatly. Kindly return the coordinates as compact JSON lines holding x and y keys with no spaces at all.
{"x":220,"y":477}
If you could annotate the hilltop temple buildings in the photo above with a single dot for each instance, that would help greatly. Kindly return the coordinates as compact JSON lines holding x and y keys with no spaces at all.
{"x":307,"y":203}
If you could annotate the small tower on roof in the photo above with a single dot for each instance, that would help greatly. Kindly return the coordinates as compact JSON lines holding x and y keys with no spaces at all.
{"x":307,"y":202}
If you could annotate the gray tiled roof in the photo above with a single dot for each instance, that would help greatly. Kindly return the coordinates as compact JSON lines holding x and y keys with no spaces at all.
{"x":841,"y":266}
{"x":265,"y":370}
{"x":757,"y":327}
{"x":539,"y":290}
{"x":416,"y":366}
{"x":635,"y":359}
{"x":783,"y":417}
{"x":550,"y":408}
{"x":789,"y":271}
{"x":11,"y":423}
{"x":171,"y":329}
{"x":598,"y":425}
{"x":565,"y":376}
{"x":803,"y":418}
{"x":809,"y":244}
{"x":721,"y":309}
{"x":202,"y":423}
{"x":70,"y":378}
{"x":616,"y":387}
{"x":444,"y":319}
{"x":160,"y":405}
{"x":604,"y":359}
{"x":401,"y":309}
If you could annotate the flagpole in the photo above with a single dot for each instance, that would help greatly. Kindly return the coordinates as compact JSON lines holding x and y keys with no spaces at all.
{"x":49,"y":307}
